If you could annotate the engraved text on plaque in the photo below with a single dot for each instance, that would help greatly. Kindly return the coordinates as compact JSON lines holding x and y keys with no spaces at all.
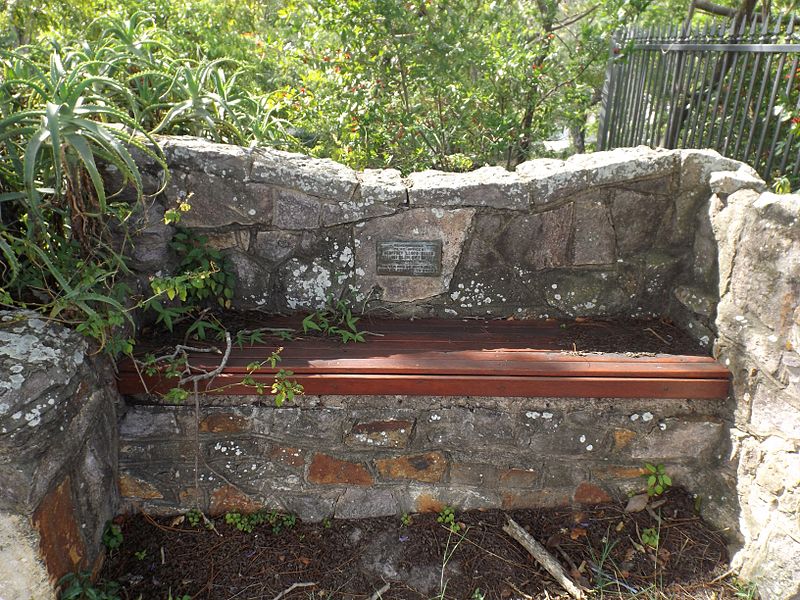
{"x":418,"y":258}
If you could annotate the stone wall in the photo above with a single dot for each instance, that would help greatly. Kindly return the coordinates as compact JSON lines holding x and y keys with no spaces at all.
{"x":606,"y":234}
{"x":58,"y":454}
{"x":759,"y":338}
{"x":384,"y":455}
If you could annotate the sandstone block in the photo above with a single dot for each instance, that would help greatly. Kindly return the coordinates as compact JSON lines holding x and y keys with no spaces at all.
{"x":428,"y":467}
{"x":589,"y":493}
{"x":448,"y":226}
{"x":218,"y":202}
{"x":322,"y":178}
{"x":549,"y":180}
{"x":487,"y":186}
{"x":326,"y":469}
{"x":204,"y":156}
{"x":381,"y":192}
{"x":229,"y":498}
{"x":60,"y":542}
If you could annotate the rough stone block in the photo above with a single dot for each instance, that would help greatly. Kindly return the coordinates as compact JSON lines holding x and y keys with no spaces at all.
{"x":450,"y":227}
{"x":252,"y":289}
{"x":314,"y":424}
{"x":381,"y":193}
{"x":519,"y":478}
{"x":218,"y":202}
{"x":418,"y":498}
{"x":636,"y":217}
{"x":358,"y":503}
{"x":545,"y":498}
{"x":133,"y":487}
{"x":593,"y":241}
{"x":291,"y":457}
{"x":238,"y":239}
{"x":589,"y":493}
{"x":322,"y":178}
{"x":228,"y":498}
{"x":274,"y":246}
{"x":22,"y":574}
{"x":295,"y":210}
{"x":549,"y":180}
{"x":464,"y":428}
{"x":391,"y":433}
{"x":474,"y":474}
{"x":198,"y":154}
{"x":326,"y":469}
{"x":428,"y":467}
{"x":312,"y":508}
{"x":487,"y":186}
{"x":61,"y":545}
{"x":224,"y":422}
{"x":676,"y":438}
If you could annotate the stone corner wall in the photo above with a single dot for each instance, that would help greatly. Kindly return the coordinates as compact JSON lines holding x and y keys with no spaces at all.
{"x":759,"y":340}
{"x":58,"y":453}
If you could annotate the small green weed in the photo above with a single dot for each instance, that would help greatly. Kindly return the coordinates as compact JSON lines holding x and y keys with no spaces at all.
{"x":79,"y":586}
{"x":327,"y":523}
{"x":140,"y":554}
{"x":405,"y":519}
{"x":447,"y":517}
{"x":782,"y":185}
{"x":248,"y":522}
{"x":650,"y":537}
{"x":195,"y":517}
{"x":112,"y":536}
{"x":745,"y":589}
{"x":335,"y":320}
{"x":657,"y":479}
{"x":478,"y":595}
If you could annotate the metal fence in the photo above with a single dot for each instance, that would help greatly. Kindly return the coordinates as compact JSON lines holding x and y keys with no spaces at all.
{"x":732,"y":88}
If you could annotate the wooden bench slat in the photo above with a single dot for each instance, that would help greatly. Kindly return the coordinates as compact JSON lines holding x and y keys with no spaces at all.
{"x":500,"y":358}
{"x":464,"y":385}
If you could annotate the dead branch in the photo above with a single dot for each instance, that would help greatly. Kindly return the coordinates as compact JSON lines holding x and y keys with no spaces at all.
{"x":543,"y":557}
{"x":293,"y":587}
{"x":379,"y":593}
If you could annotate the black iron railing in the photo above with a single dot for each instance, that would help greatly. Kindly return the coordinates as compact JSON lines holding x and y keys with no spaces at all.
{"x":733,"y":89}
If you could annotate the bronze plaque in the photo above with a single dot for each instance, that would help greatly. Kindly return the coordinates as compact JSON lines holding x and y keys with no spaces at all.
{"x":417,"y":258}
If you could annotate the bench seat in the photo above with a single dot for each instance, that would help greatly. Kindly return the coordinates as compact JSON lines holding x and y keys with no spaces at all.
{"x":457,"y":358}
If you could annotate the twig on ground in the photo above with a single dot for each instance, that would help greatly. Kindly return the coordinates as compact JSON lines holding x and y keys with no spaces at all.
{"x":293,"y":587}
{"x":543,"y":557}
{"x":379,"y":593}
{"x":650,"y":330}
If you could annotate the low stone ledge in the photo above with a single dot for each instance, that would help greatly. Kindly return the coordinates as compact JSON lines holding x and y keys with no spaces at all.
{"x":372,"y":461}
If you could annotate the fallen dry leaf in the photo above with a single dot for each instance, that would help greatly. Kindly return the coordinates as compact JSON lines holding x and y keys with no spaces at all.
{"x":637,"y":503}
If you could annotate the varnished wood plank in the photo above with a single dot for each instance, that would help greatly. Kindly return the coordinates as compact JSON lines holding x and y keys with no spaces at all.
{"x":441,"y":385}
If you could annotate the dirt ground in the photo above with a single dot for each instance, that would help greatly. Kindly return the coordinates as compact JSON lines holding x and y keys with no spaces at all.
{"x":664,"y":552}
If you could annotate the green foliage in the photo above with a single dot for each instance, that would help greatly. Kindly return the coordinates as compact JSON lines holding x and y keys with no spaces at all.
{"x":140,"y":554}
{"x":745,"y":589}
{"x":194,"y":517}
{"x":657,"y":479}
{"x":405,"y":519}
{"x":248,"y":522}
{"x":447,"y":517}
{"x":782,"y":185}
{"x":336,"y":320}
{"x":112,"y":536}
{"x":650,"y":537}
{"x":79,"y":586}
